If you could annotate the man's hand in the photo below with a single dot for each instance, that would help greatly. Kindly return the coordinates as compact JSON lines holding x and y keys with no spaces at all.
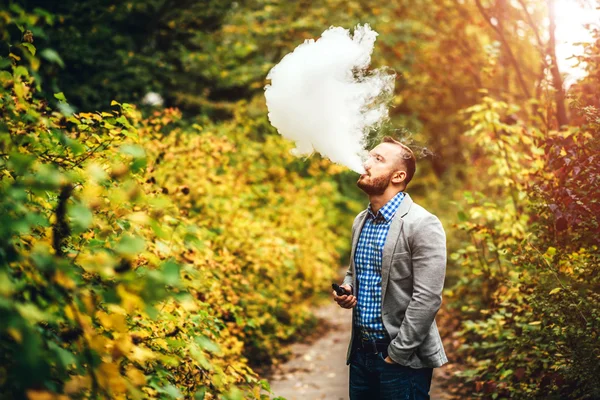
{"x":389,"y":360}
{"x":347,"y":300}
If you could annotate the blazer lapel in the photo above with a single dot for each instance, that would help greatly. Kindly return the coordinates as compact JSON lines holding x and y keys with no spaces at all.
{"x":390,"y":242}
{"x":356,"y":229}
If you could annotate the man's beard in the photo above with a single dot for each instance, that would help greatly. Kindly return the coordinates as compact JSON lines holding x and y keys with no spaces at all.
{"x":376,"y":186}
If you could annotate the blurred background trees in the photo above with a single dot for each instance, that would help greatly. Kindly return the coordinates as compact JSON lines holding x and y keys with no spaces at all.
{"x":508,"y":134}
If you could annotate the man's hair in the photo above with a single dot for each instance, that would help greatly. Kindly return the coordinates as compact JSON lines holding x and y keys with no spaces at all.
{"x":407,"y":157}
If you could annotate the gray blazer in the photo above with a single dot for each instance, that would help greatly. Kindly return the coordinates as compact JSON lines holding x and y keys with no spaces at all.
{"x":412,"y":278}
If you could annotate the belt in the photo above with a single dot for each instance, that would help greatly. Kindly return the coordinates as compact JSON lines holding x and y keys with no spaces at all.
{"x":373,"y":345}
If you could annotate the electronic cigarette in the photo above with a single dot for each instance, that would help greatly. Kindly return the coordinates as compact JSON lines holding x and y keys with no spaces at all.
{"x":339,"y":290}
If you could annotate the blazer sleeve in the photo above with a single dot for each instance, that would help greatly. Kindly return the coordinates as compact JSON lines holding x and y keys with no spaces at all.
{"x":428,"y":249}
{"x":348,"y":278}
{"x":350,"y":272}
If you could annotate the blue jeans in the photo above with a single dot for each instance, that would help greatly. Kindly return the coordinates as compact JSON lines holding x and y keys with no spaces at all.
{"x":372,"y":378}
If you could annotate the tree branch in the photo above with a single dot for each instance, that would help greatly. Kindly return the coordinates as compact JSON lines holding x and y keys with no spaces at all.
{"x":509,"y":52}
{"x":60,"y":230}
{"x":533,"y":27}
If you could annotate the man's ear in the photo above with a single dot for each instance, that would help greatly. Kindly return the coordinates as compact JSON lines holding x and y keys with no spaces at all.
{"x":399,"y":177}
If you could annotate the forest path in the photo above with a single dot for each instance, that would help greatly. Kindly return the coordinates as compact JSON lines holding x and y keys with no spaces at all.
{"x":317,"y":370}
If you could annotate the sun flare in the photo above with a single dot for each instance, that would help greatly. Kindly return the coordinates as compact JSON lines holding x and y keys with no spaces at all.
{"x":571,"y":18}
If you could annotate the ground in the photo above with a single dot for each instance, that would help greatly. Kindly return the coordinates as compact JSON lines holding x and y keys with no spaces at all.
{"x":317,"y":368}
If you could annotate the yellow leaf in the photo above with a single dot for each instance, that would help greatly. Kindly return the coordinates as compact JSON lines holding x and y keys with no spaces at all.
{"x":140,"y":218}
{"x":141,"y":354}
{"x":112,"y":321}
{"x":15,"y":334}
{"x":129,"y":301}
{"x":77,"y":384}
{"x":97,"y":343}
{"x":63,"y":280}
{"x":39,"y":395}
{"x":555,"y":290}
{"x":136,"y":376}
{"x":110,"y":378}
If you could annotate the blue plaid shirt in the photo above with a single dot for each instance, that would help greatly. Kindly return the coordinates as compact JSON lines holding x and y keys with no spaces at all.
{"x":367,"y":260}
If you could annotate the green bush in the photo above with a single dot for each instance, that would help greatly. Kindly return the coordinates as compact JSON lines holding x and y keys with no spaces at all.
{"x":529,"y":293}
{"x":145,"y":258}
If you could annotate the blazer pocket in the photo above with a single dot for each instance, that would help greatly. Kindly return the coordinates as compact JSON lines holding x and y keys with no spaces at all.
{"x":401,"y":266}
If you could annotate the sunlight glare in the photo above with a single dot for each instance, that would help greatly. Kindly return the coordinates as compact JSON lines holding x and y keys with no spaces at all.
{"x":571,"y":16}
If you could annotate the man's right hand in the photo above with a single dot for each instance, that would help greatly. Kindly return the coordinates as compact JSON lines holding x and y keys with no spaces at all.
{"x":347,"y":300}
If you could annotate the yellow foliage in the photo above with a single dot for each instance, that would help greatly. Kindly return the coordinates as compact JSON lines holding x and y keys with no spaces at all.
{"x":163,"y":261}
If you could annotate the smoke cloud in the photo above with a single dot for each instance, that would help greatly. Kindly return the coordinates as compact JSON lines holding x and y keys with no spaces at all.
{"x":323,"y":97}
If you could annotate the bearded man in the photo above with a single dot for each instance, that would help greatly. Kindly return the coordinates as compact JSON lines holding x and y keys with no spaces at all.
{"x":395,"y":280}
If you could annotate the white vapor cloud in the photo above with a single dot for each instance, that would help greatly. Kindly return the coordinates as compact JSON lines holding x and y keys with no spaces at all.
{"x":323,"y":97}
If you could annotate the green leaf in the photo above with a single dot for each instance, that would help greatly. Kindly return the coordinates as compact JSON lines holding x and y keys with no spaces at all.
{"x":555,"y":290}
{"x":52,"y":56}
{"x":17,"y":10}
{"x":60,"y":96}
{"x":5,"y":62}
{"x":506,"y":373}
{"x":123,"y":121}
{"x":76,"y":147}
{"x":5,"y":76}
{"x":65,"y":109}
{"x":29,"y":47}
{"x":66,"y":357}
{"x":265,"y":385}
{"x":31,"y":313}
{"x":151,"y":311}
{"x":138,"y":164}
{"x":207,"y":344}
{"x":42,"y":258}
{"x":130,"y":246}
{"x":551,"y":251}
{"x":171,"y":391}
{"x":234,"y":394}
{"x":200,"y":394}
{"x":48,"y":176}
{"x":81,"y":217}
{"x":20,"y":71}
{"x":170,"y":272}
{"x":20,"y":162}
{"x":6,"y":285}
{"x":133,"y":150}
{"x":462,"y":216}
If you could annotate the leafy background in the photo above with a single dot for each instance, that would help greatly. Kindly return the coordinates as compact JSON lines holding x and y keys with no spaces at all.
{"x":173,"y":251}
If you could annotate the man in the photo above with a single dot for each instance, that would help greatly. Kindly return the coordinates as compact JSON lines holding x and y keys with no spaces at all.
{"x":395,"y":278}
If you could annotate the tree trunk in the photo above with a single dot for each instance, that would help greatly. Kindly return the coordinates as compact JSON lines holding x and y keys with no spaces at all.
{"x":559,"y":97}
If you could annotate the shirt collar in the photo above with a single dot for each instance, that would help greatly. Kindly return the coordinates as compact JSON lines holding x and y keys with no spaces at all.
{"x":389,"y":209}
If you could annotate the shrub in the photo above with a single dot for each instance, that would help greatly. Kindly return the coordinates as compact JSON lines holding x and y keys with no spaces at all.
{"x":143,"y":258}
{"x":529,"y":294}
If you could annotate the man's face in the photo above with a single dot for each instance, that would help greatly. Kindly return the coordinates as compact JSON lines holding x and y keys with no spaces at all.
{"x":381,"y":165}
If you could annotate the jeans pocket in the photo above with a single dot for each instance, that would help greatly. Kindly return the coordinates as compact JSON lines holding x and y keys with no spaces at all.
{"x":382,"y":355}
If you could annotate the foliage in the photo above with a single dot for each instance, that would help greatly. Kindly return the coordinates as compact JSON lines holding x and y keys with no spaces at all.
{"x":149,"y":43}
{"x":200,"y":56}
{"x":205,"y":57}
{"x":171,"y":244}
{"x":529,"y":291}
{"x":145,"y":258}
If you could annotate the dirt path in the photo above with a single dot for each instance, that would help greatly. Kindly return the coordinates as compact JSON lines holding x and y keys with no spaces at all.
{"x":318,"y":370}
